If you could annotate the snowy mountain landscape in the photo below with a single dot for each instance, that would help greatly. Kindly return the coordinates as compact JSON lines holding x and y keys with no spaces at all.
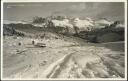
{"x":63,"y":47}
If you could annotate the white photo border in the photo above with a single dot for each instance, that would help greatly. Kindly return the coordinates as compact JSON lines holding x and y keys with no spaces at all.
{"x":27,"y":1}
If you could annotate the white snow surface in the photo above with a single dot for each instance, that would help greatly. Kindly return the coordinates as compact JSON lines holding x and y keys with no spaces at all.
{"x":83,"y":23}
{"x":63,"y":23}
{"x":14,"y":22}
{"x":69,"y":57}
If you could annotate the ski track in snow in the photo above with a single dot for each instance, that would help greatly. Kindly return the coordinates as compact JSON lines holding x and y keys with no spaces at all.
{"x":61,"y":59}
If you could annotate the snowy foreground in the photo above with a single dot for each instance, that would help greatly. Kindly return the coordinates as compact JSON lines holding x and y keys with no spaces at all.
{"x":61,"y":58}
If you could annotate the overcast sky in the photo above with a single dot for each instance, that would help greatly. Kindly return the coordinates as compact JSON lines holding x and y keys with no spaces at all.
{"x":25,"y":11}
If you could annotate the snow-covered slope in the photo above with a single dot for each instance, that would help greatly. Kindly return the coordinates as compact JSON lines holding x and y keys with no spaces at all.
{"x":63,"y":57}
{"x":14,"y":22}
{"x":83,"y":23}
{"x":93,"y":63}
{"x":64,"y":23}
{"x":101,"y":23}
{"x":120,"y":26}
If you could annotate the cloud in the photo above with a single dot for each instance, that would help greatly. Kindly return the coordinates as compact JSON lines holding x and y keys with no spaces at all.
{"x":73,"y":9}
{"x":78,"y":7}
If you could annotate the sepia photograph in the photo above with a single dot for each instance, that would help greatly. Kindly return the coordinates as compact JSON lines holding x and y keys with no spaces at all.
{"x":64,"y":40}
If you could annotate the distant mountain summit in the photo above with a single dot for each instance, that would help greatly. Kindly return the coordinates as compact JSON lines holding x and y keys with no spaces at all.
{"x":103,"y":21}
